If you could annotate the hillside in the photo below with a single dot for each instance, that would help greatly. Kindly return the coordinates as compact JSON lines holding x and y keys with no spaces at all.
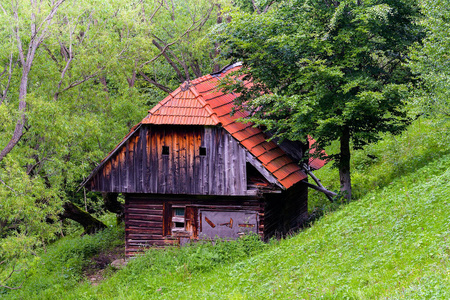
{"x":391,"y":243}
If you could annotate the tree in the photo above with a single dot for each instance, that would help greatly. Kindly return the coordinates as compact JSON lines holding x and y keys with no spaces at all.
{"x":429,"y":60}
{"x":174,"y":37}
{"x":39,"y":27}
{"x":335,"y":69}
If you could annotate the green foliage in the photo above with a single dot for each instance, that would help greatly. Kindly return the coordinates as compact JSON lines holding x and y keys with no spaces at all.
{"x":335,"y":69}
{"x":429,"y":60}
{"x":61,"y":267}
{"x":392,"y":243}
{"x":84,"y":93}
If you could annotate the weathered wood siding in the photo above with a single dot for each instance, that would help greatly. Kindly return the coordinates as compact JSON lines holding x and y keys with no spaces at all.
{"x":147,"y":217}
{"x":141,"y":167}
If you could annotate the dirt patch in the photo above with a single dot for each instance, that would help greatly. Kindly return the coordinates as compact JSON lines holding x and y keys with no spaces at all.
{"x":96,"y":270}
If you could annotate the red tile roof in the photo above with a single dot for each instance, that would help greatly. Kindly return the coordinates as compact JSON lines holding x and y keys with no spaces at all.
{"x":199,"y":102}
{"x":184,"y":106}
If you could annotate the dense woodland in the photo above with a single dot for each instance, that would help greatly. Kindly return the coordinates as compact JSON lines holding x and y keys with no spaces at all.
{"x":76,"y":75}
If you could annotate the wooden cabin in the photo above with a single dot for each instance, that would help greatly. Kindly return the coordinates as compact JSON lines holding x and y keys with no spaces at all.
{"x":189,"y":170}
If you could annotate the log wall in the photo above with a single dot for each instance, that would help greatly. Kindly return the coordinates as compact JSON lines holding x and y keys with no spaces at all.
{"x":141,"y":167}
{"x":148,"y":217}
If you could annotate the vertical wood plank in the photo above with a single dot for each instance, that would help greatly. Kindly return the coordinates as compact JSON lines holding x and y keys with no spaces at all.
{"x":154,"y":162}
{"x":183,"y":163}
{"x":198,"y":174}
{"x":127,"y":166}
{"x":168,"y":159}
{"x":209,"y":170}
{"x":161,"y":188}
{"x":190,"y":161}
{"x":221,"y":161}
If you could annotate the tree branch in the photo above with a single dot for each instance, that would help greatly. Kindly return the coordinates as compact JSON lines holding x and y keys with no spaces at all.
{"x":268,"y":6}
{"x":10,"y":188}
{"x":76,"y":83}
{"x":195,"y":25}
{"x":8,"y":83}
{"x":255,"y":7}
{"x":169,"y":60}
{"x":155,"y":83}
{"x":26,"y":67}
{"x":9,"y":276}
{"x":4,"y":11}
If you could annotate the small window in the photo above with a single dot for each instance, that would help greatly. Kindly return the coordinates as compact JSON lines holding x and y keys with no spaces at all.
{"x":178,"y":221}
{"x":178,"y":225}
{"x":165,"y":150}
{"x":202,"y":151}
{"x":178,"y":212}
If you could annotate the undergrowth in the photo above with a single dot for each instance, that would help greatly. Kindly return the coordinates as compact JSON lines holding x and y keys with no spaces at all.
{"x":59,"y":268}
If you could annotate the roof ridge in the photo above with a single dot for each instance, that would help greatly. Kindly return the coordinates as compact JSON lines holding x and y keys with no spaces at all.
{"x":205,"y":105}
{"x":164,"y":101}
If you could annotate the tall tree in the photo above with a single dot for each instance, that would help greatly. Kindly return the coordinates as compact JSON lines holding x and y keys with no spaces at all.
{"x":41,"y":19}
{"x":335,"y":70}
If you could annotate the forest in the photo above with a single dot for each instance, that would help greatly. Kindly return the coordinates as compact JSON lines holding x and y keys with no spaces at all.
{"x":367,"y":79}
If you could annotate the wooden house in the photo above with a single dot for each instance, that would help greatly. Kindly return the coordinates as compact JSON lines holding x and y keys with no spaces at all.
{"x":189,"y":170}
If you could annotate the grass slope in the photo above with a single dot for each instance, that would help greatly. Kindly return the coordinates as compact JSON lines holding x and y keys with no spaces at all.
{"x":393,"y":243}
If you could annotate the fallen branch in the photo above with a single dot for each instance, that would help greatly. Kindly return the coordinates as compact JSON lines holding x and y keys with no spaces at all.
{"x":319,"y":187}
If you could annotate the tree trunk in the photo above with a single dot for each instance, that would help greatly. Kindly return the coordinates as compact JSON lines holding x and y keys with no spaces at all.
{"x":18,"y":131}
{"x":90,"y":224}
{"x":344,"y":164}
{"x":114,"y":206}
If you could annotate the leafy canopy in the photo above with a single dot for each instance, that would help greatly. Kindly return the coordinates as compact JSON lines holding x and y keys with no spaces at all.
{"x":331,"y":66}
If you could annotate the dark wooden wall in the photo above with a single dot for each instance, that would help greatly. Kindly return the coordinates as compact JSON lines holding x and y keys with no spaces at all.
{"x":146,"y":217}
{"x":285,"y":212}
{"x":140,"y":167}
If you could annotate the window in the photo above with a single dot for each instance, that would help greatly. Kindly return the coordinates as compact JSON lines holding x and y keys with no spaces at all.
{"x":178,"y":221}
{"x":202,"y":151}
{"x":165,"y":150}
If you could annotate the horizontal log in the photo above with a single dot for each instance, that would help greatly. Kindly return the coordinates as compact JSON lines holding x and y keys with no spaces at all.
{"x":138,"y":243}
{"x":143,"y":206}
{"x":135,"y":229}
{"x":145,"y":217}
{"x":139,"y":236}
{"x":141,"y":223}
{"x":145,"y":211}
